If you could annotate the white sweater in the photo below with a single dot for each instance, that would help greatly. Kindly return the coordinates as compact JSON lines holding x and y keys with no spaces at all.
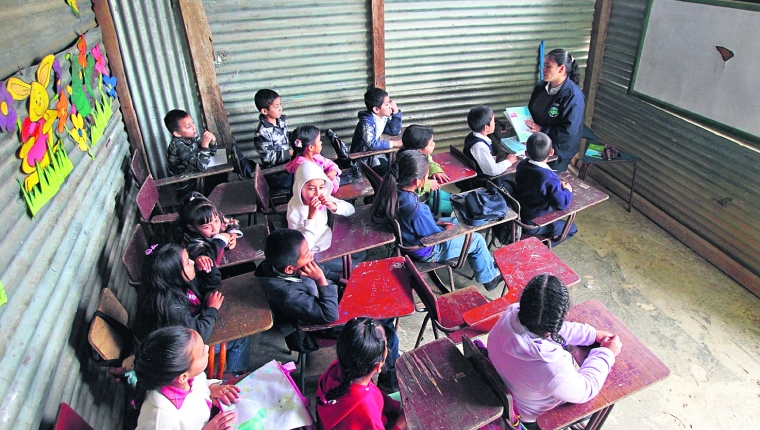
{"x":158,"y":413}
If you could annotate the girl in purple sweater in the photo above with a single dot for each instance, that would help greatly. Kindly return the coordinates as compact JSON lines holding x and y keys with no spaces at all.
{"x":527,"y":349}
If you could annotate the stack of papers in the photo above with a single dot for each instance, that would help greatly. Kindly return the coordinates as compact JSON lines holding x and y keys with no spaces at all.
{"x":513,"y":145}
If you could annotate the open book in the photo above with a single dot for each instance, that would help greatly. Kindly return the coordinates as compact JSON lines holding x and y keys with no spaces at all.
{"x":517,"y":117}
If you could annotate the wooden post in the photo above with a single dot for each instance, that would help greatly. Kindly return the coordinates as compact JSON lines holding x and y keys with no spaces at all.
{"x":202,"y":52}
{"x":378,"y":42}
{"x":602,"y":11}
{"x":116,"y":65}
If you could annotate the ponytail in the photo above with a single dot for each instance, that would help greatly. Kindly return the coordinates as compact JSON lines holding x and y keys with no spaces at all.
{"x":409,"y":166}
{"x":563,"y":58}
{"x":302,"y":137}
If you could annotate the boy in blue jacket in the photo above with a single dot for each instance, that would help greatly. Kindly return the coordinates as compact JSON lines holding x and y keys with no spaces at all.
{"x":539,"y":190}
{"x":382,"y":116}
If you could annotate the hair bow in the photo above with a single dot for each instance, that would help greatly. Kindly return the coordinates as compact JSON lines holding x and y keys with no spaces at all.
{"x":150,"y":249}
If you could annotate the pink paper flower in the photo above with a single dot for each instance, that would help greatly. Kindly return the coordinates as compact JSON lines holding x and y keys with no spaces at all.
{"x":7,"y":113}
{"x":100,"y":60}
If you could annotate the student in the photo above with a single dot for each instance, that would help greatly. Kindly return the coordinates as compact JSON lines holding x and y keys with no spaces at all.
{"x":477,"y":146}
{"x":271,"y":139}
{"x":557,"y":104}
{"x":382,"y":116}
{"x":187,"y":152}
{"x":396,"y":199}
{"x":302,"y":291}
{"x":527,"y":344}
{"x":203,"y":230}
{"x":307,"y":147}
{"x":172,"y":390}
{"x":174,"y":293}
{"x":539,"y":189}
{"x":420,"y":138}
{"x":346,"y":396}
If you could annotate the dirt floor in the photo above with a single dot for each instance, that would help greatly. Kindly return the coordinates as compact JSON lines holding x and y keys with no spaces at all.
{"x":700,"y":323}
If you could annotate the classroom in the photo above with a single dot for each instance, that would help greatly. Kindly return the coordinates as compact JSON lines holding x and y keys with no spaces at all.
{"x":667,"y":227}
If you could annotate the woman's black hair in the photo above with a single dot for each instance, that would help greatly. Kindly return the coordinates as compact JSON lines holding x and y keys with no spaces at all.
{"x":543,"y":306}
{"x":361,"y":347}
{"x":562,"y":57}
{"x":195,"y":210}
{"x":302,"y":137}
{"x":162,"y":356}
{"x":163,"y":282}
{"x":416,"y":136}
{"x":409,"y":166}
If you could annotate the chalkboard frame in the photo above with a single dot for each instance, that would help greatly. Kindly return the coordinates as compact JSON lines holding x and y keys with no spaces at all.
{"x":750,"y":5}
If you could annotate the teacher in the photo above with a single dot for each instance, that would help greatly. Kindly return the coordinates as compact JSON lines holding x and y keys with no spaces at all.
{"x":557,"y":105}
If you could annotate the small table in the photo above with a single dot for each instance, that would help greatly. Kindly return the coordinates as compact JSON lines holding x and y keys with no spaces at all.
{"x":589,"y":162}
{"x":635,"y":369}
{"x":248,"y":248}
{"x":441,"y":390}
{"x":519,"y":262}
{"x":354,"y":234}
{"x":456,"y":169}
{"x":378,"y":289}
{"x":584,"y":196}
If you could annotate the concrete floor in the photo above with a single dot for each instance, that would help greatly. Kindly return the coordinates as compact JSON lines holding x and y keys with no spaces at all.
{"x":700,"y":323}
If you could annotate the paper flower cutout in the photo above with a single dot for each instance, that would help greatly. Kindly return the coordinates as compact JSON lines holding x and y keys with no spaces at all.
{"x":78,"y":133}
{"x":82,"y":57}
{"x":62,"y":107}
{"x":100,"y":60}
{"x":110,"y":84}
{"x":7,"y":113}
{"x":58,"y":76}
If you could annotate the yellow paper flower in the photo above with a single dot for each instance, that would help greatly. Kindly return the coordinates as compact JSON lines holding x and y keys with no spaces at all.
{"x":78,"y":132}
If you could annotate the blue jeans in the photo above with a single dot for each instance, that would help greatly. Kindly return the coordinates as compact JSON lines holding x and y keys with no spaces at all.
{"x":238,"y":355}
{"x":554,"y":230}
{"x":478,"y":256}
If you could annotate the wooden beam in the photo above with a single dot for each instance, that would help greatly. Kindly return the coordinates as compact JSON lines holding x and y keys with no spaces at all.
{"x":602,"y":11}
{"x":116,"y":65}
{"x":202,"y":52}
{"x":378,"y":42}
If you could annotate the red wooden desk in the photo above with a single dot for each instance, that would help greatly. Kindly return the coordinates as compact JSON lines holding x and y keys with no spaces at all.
{"x":456,"y":169}
{"x":379,"y":289}
{"x":519,"y":262}
{"x":635,"y":369}
{"x":355,"y":190}
{"x":248,"y":248}
{"x":353,"y":234}
{"x":584,"y":196}
{"x":441,"y":390}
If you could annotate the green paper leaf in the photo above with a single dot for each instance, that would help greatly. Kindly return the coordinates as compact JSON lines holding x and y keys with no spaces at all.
{"x":3,"y":296}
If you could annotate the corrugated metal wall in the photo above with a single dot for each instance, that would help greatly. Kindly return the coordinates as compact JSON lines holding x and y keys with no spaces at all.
{"x":158,"y":68}
{"x":445,"y":57}
{"x":314,"y":54}
{"x":703,"y":180}
{"x":55,"y":265}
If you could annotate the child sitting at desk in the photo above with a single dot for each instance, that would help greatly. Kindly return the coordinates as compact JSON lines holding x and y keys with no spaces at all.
{"x":420,"y":138}
{"x":477,"y":146}
{"x":203,"y":230}
{"x":346,"y":396}
{"x":187,"y":152}
{"x":396,"y":200}
{"x":527,"y":344}
{"x":382,"y":116}
{"x":539,"y":189}
{"x":307,"y":147}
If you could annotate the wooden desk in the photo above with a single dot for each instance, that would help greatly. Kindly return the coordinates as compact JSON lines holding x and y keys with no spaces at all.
{"x":353,"y":191}
{"x":224,"y":167}
{"x":353,"y":234}
{"x":584,"y":196}
{"x":456,"y":169}
{"x":519,"y":262}
{"x":250,"y":247}
{"x":635,"y":369}
{"x":364,"y":154}
{"x":245,"y":310}
{"x":379,"y":289}
{"x":441,"y":390}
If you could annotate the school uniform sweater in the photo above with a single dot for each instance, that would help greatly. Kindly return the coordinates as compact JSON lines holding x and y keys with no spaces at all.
{"x":538,"y":372}
{"x":416,"y":221}
{"x":359,"y":408}
{"x":478,"y":148}
{"x":560,"y":116}
{"x":539,"y":190}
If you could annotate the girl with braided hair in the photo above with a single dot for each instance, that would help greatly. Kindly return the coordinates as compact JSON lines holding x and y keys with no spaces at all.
{"x":527,"y":344}
{"x":397,"y":200}
{"x":347,"y":398}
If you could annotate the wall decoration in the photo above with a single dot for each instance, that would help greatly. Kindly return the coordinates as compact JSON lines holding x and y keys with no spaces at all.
{"x":102,"y":112}
{"x":73,"y":5}
{"x":7,"y":113}
{"x":50,"y":178}
{"x":3,"y":296}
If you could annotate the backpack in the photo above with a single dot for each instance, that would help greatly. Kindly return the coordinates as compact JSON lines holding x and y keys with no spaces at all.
{"x":480,"y":205}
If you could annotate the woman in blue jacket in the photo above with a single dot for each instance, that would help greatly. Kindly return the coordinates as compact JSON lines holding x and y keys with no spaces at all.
{"x":557,"y":105}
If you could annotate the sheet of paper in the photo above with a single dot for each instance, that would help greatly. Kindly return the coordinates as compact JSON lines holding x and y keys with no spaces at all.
{"x":218,"y":159}
{"x":517,"y":116}
{"x":513,"y":145}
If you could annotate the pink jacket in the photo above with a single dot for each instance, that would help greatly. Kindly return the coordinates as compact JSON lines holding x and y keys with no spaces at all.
{"x":326,"y":165}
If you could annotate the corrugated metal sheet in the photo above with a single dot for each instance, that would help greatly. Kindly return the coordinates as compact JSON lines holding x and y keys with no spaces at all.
{"x":703,"y":180}
{"x":53,"y":270}
{"x":314,"y":54}
{"x":444,"y":57}
{"x":159,"y":70}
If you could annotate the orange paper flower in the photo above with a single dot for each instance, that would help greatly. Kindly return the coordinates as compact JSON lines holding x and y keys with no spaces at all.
{"x":62,"y":107}
{"x":82,"y":57}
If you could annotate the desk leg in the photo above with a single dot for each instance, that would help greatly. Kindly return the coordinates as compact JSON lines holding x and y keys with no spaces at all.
{"x":598,"y":418}
{"x":222,"y":360}
{"x":633,"y":184}
{"x":346,"y":266}
{"x":569,"y":223}
{"x":211,"y":360}
{"x":584,"y":171}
